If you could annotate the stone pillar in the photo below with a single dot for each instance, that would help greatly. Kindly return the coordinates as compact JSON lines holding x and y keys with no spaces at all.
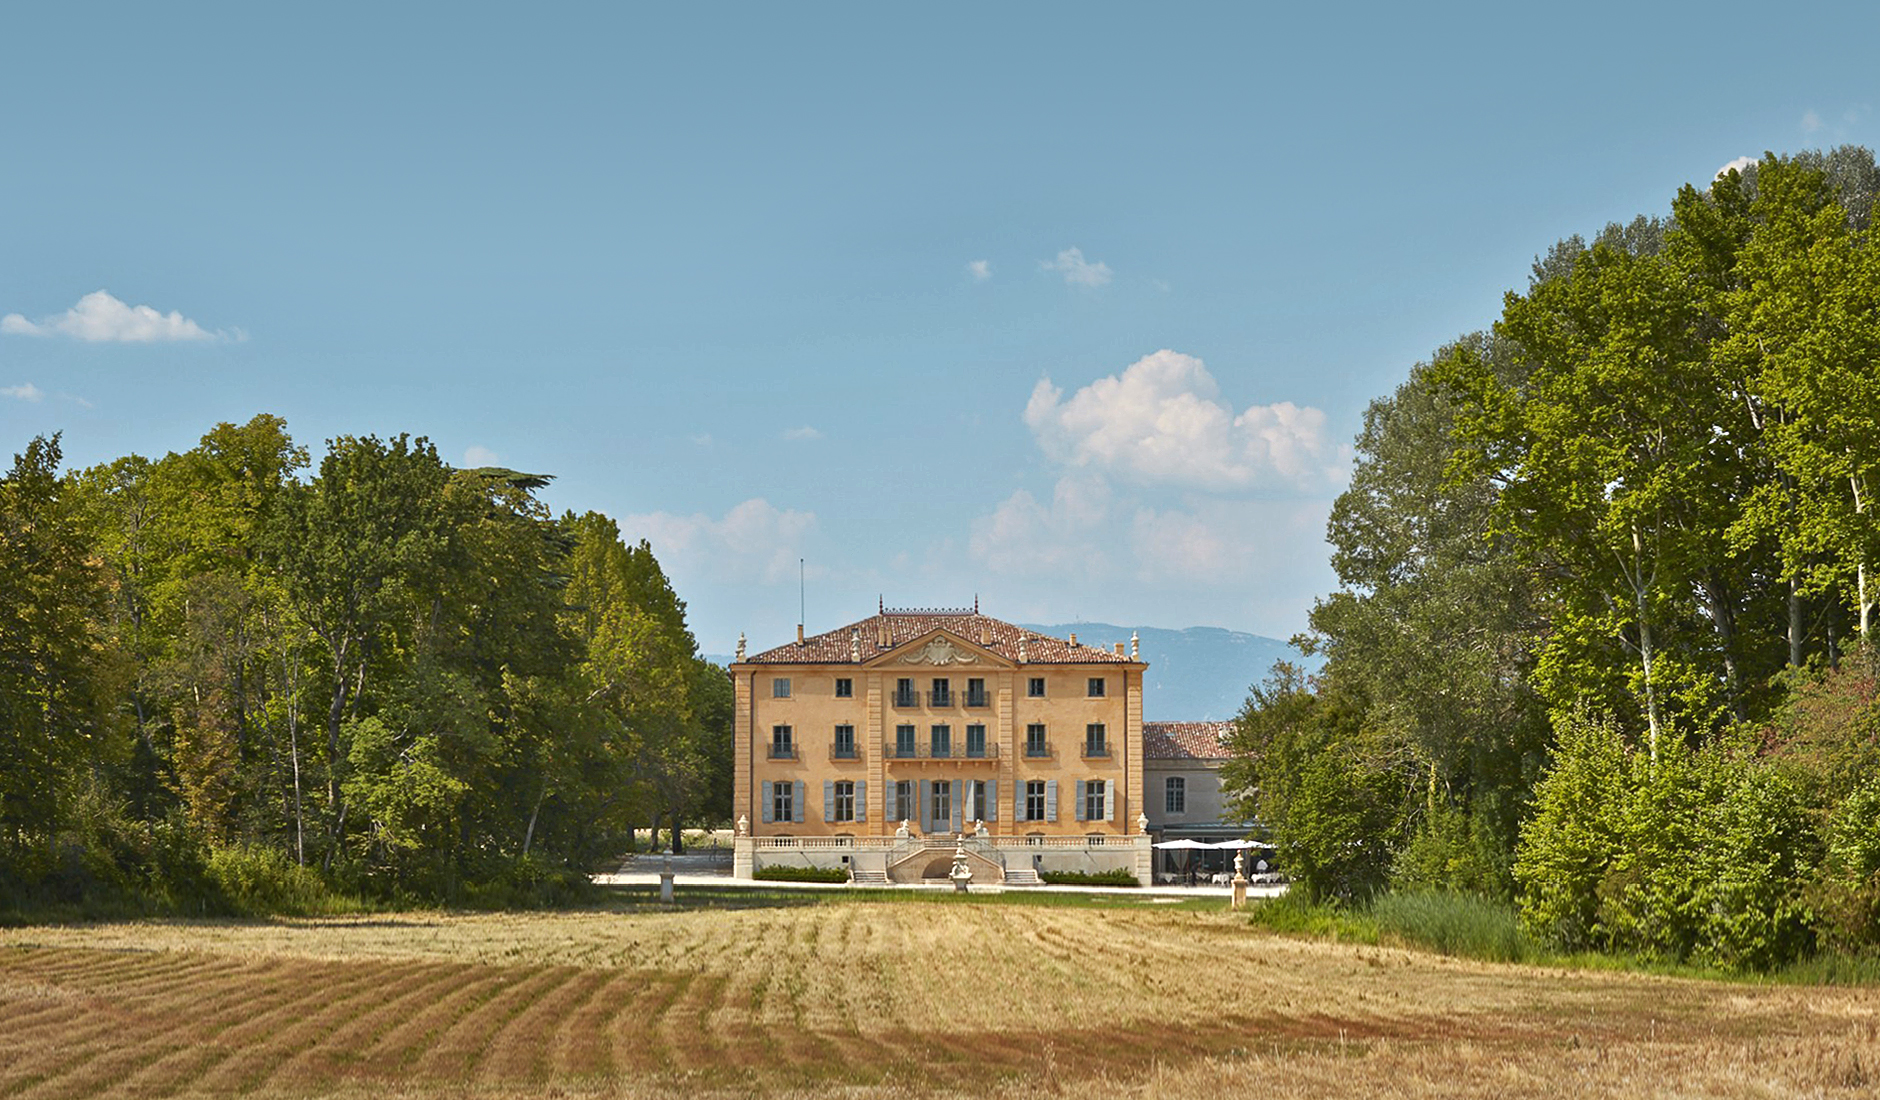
{"x":744,"y":857}
{"x":1145,"y":860}
{"x":665,"y":877}
{"x":1240,"y":878}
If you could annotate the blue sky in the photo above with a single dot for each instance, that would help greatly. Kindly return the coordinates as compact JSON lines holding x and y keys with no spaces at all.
{"x":1072,"y":307}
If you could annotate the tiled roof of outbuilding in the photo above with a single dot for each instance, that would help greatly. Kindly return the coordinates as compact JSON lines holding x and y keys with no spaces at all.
{"x":1185,"y":740}
{"x":836,"y":647}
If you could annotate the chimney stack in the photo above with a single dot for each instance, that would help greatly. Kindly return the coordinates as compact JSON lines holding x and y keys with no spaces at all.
{"x":1073,"y":637}
{"x":1119,"y":649}
{"x":799,"y":634}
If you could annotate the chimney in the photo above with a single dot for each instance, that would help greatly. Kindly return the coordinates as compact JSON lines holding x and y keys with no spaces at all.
{"x":1119,"y":649}
{"x":985,"y":634}
{"x":799,"y":634}
{"x":1135,"y":652}
{"x":1073,"y":637}
{"x":881,"y":634}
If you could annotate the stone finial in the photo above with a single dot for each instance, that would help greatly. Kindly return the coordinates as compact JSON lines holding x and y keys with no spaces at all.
{"x":1142,"y":823}
{"x":855,"y":644}
{"x":1023,"y":655}
{"x":740,"y":647}
{"x":744,"y":825}
{"x":1135,"y":644}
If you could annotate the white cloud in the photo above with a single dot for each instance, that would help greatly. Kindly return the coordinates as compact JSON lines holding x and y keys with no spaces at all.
{"x":1076,"y":270}
{"x":980,"y":270}
{"x":1737,"y":165}
{"x":100,"y":318}
{"x":802,"y":434}
{"x":753,"y":541}
{"x":703,"y":439}
{"x":1810,"y":122}
{"x":477,"y":455}
{"x":25,"y":391}
{"x":1161,"y":422}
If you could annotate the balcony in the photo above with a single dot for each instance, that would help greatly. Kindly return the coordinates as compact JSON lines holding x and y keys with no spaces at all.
{"x":782,"y":752}
{"x":907,"y":698}
{"x":1096,"y":750}
{"x":1038,"y":750}
{"x":926,"y":750}
{"x":978,"y":699}
{"x":844,"y":752}
{"x":938,"y":699}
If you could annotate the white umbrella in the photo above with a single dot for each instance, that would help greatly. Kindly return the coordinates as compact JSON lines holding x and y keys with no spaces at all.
{"x":1183,"y":843}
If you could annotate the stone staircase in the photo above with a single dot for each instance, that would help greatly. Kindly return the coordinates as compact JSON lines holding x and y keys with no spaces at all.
{"x":1022,"y":876}
{"x":858,"y":877}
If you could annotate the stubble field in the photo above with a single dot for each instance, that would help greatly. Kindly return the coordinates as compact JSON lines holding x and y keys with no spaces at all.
{"x":846,"y":997}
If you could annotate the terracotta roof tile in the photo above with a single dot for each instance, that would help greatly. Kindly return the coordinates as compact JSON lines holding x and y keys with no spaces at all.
{"x":841,"y":646}
{"x":1186,"y":740}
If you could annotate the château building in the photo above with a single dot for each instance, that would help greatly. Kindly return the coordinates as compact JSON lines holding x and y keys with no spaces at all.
{"x":882,"y":745}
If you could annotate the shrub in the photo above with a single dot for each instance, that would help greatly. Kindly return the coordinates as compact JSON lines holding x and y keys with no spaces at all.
{"x":1453,"y":924}
{"x":1574,"y":837}
{"x":1293,"y":913}
{"x":263,"y":881}
{"x":1089,"y":878}
{"x":782,"y":873}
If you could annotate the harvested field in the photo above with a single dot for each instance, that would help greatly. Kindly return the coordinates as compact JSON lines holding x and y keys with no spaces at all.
{"x":894,"y":998}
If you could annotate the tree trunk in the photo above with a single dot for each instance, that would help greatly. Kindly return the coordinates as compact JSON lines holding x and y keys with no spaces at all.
{"x":677,"y":845}
{"x":528,"y":837}
{"x":1795,"y":624}
{"x":1721,"y":617}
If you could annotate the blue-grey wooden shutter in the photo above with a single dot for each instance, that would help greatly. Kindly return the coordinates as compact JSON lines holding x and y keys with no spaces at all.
{"x":829,"y":800}
{"x":861,"y":800}
{"x":1109,"y":799}
{"x":769,"y":804}
{"x":1050,"y":800}
{"x":1018,"y":801}
{"x":796,"y":803}
{"x":1082,"y":787}
{"x":891,"y":812}
{"x":923,"y":793}
{"x":959,"y":806}
{"x":992,"y":800}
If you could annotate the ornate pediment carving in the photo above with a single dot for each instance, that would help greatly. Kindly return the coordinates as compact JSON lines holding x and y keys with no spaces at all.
{"x":940,"y":652}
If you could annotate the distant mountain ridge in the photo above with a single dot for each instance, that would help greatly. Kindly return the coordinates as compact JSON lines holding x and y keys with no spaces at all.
{"x":1199,"y":674}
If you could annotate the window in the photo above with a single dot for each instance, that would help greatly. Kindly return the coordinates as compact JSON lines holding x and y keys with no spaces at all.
{"x":845,"y":688}
{"x":845,"y":801}
{"x":976,"y":800}
{"x":781,"y":747}
{"x":1175,"y":797}
{"x":942,"y":742}
{"x":1035,"y":744}
{"x":845,"y":742}
{"x":1034,"y":800}
{"x":1095,"y":688}
{"x":942,"y":815}
{"x":904,"y":693}
{"x":976,"y":740}
{"x":782,"y":806}
{"x":975,"y":692}
{"x":1035,"y":687}
{"x":904,"y":798}
{"x":1093,"y":800}
{"x":904,"y":741}
{"x":780,"y":687}
{"x":1095,"y":743}
{"x":942,"y":692}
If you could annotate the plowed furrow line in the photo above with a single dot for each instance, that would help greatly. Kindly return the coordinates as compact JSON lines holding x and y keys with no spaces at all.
{"x":158,"y":991}
{"x":457,"y":1053}
{"x":584,"y":1043}
{"x":332,"y":1042}
{"x":249,"y":1048}
{"x":399,"y":1047}
{"x":246,"y":1019}
{"x":635,"y":1031}
{"x":688,"y":1032}
{"x":25,"y":1018}
{"x":60,"y":964}
{"x":95,"y":1065}
{"x":60,"y":1054}
{"x":525,"y":1049}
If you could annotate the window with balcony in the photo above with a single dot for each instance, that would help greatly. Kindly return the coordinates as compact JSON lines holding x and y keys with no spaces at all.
{"x":942,"y":692}
{"x":1096,"y":742}
{"x":1034,"y":800}
{"x":1034,"y":687}
{"x":976,"y":740}
{"x":904,"y":741}
{"x":780,"y":687}
{"x":976,"y":693}
{"x":844,"y":748}
{"x":1175,"y":795}
{"x":942,"y":741}
{"x":845,"y":688}
{"x":844,"y":809}
{"x":1095,"y":688}
{"x":782,"y":746}
{"x":904,"y":694}
{"x":1035,"y":744}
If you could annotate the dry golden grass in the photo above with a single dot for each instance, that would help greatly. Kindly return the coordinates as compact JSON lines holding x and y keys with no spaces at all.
{"x":853,"y":998}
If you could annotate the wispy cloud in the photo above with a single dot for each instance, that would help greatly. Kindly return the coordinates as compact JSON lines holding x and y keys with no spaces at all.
{"x":1737,"y":165}
{"x":1076,"y":270}
{"x":702,"y":439}
{"x":1811,"y":121}
{"x":100,"y":318}
{"x":477,"y":455}
{"x":802,"y":434}
{"x":980,"y":270}
{"x":753,"y":541}
{"x":25,"y":391}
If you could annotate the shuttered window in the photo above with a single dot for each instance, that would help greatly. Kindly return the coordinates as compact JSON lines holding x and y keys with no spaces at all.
{"x":844,"y":800}
{"x":1034,"y":800}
